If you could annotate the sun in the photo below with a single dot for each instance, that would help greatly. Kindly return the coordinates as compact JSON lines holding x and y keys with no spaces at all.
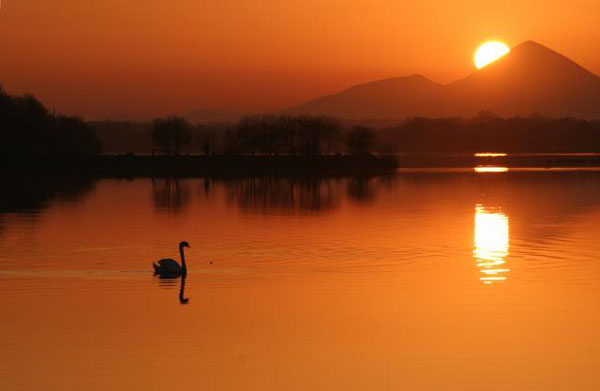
{"x":489,"y":52}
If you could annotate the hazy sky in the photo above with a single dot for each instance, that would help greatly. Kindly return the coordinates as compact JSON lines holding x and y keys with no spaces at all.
{"x":134,"y":58}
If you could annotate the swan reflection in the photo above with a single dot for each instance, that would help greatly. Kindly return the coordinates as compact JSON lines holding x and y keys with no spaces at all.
{"x":182,"y":300}
{"x":169,"y":281}
{"x":491,"y":243}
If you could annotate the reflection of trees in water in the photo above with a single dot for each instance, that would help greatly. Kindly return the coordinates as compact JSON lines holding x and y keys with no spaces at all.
{"x":170,"y":194}
{"x":361,"y":190}
{"x":283,"y":194}
{"x":29,"y":195}
{"x":35,"y":193}
{"x":387,"y":182}
{"x":206,"y":189}
{"x":364,"y":190}
{"x":288,"y":195}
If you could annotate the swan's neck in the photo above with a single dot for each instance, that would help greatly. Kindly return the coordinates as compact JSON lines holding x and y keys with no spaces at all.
{"x":183,"y":266}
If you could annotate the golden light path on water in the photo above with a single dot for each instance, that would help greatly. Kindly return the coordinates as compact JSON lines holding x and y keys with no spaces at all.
{"x":490,"y":154}
{"x":491,"y":243}
{"x":484,"y":169}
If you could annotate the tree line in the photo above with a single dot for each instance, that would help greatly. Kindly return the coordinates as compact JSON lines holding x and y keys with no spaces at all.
{"x":273,"y":134}
{"x":30,"y":130}
{"x":489,"y":132}
{"x":264,"y":134}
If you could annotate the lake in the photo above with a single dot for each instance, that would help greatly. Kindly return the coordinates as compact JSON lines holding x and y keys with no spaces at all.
{"x":454,"y":280}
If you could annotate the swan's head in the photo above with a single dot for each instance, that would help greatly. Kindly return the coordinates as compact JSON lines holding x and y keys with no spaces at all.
{"x":184,"y":244}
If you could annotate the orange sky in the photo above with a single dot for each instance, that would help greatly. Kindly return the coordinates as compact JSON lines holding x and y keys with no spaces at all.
{"x":139,"y":59}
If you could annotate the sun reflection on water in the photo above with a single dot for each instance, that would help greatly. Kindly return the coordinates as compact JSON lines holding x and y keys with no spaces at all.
{"x":491,"y":243}
{"x":490,"y":154}
{"x":483,"y":169}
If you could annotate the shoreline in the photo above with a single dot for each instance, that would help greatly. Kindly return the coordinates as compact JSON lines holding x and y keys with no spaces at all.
{"x":127,"y":166}
{"x":216,"y":165}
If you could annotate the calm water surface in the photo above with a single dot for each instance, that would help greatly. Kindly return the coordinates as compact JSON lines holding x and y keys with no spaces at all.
{"x":424,"y":281}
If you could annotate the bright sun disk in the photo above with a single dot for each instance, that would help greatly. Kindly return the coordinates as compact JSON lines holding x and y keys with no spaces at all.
{"x":489,"y":52}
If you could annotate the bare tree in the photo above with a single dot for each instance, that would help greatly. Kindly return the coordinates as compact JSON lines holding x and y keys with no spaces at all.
{"x":206,"y":141}
{"x":171,"y":134}
{"x":360,"y":140}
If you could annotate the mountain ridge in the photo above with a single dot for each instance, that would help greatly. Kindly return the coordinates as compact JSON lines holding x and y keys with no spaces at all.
{"x":531,"y":78}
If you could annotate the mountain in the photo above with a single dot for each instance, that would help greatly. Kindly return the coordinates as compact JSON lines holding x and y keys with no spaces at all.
{"x":383,"y":99}
{"x":531,"y":78}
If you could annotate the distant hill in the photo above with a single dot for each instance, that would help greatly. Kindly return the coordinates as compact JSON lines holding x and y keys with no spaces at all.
{"x":531,"y":78}
{"x":383,"y":99}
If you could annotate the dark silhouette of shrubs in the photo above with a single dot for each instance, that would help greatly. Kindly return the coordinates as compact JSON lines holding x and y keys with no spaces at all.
{"x":205,"y":140}
{"x":360,"y":140}
{"x":488,"y":132}
{"x":269,"y":134}
{"x":29,"y":130}
{"x":171,"y":134}
{"x":73,"y":136}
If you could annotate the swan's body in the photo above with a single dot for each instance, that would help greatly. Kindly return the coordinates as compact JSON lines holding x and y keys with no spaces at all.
{"x":170,"y":267}
{"x":167,"y":265}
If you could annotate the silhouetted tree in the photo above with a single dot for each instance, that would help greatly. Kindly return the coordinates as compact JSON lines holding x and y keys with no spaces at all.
{"x":73,"y":136}
{"x":331,"y":134}
{"x":28,"y":130}
{"x":269,"y":134}
{"x":318,"y":134}
{"x":360,"y":140}
{"x":171,"y":134}
{"x":205,"y":141}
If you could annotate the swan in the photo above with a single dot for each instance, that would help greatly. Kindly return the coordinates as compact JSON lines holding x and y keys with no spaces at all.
{"x":170,"y":267}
